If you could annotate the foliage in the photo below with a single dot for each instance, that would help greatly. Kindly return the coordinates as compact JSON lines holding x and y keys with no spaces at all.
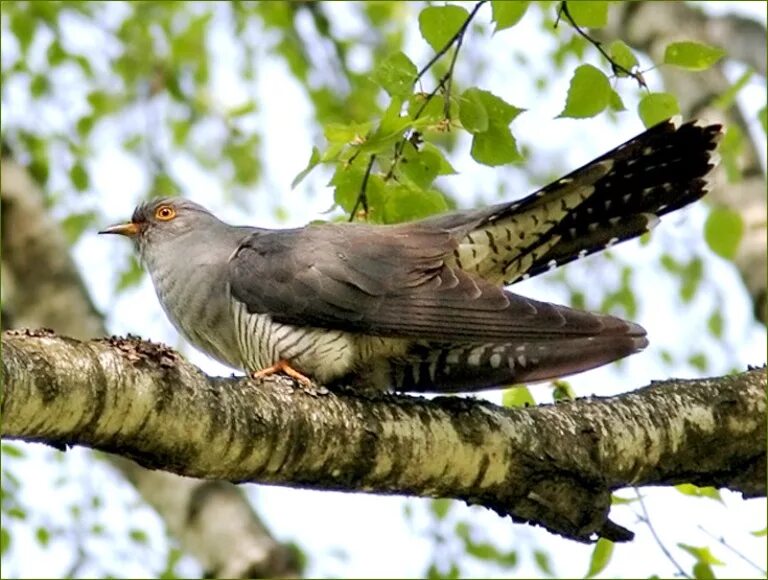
{"x":396,"y":104}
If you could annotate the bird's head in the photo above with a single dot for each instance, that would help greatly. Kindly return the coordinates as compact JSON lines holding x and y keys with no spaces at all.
{"x":163,"y":220}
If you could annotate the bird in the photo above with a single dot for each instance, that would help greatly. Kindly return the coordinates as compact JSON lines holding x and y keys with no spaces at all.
{"x":421,"y":306}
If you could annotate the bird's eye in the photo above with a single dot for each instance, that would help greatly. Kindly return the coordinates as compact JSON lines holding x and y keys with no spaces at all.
{"x":165,"y":213}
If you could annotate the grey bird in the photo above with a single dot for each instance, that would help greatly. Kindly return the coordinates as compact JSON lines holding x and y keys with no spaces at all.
{"x":419,"y":306}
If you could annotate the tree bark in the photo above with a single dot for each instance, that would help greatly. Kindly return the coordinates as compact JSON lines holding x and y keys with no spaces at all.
{"x":42,"y":288}
{"x":650,"y":27}
{"x":554,"y":465}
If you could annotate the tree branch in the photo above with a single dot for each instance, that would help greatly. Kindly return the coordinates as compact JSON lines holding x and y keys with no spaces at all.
{"x":42,"y":287}
{"x":555,"y":466}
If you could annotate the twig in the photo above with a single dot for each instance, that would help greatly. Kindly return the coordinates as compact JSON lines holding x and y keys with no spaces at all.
{"x":725,"y":544}
{"x":445,"y":82}
{"x":362,"y":198}
{"x":449,"y":75}
{"x":615,"y":67}
{"x":647,"y":520}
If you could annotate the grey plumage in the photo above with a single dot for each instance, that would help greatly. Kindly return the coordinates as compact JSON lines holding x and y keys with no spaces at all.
{"x":419,"y":306}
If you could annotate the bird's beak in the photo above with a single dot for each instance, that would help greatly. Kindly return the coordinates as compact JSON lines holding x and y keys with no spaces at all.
{"x":129,"y":229}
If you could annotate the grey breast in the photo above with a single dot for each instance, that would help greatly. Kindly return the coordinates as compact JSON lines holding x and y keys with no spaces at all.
{"x":189,"y":273}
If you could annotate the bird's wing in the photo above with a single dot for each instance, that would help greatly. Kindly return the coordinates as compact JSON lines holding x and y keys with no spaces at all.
{"x":392,"y":281}
{"x":615,"y":197}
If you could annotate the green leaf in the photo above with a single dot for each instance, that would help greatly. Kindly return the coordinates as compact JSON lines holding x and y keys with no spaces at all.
{"x":346,"y":133}
{"x":517,"y":396}
{"x":472,"y":113}
{"x":496,"y":146}
{"x":131,"y":276}
{"x":404,"y":203}
{"x":618,"y":500}
{"x":243,"y":154}
{"x":17,"y":513}
{"x":601,"y":556}
{"x":715,"y":323}
{"x":421,"y":167}
{"x":498,"y":110}
{"x":542,"y":561}
{"x":563,"y":391}
{"x":589,"y":13}
{"x":75,"y":224}
{"x":723,"y":231}
{"x":189,"y":44}
{"x":578,"y":300}
{"x":482,"y":550}
{"x":10,"y":450}
{"x":615,"y":102}
{"x":445,"y":167}
{"x":241,"y":110}
{"x":396,"y":74}
{"x":5,"y":540}
{"x":656,"y":107}
{"x":696,"y":491}
{"x":703,"y":571}
{"x":699,"y":361}
{"x":440,"y":507}
{"x":138,"y":536}
{"x":692,"y":55}
{"x":43,"y":536}
{"x":760,"y":533}
{"x":39,"y":86}
{"x":691,"y":278}
{"x":23,"y":27}
{"x":622,"y":55}
{"x":702,"y":554}
{"x":78,"y":175}
{"x":506,"y":14}
{"x":56,"y":55}
{"x":588,"y":94}
{"x":729,"y":95}
{"x":314,"y":159}
{"x":85,"y":125}
{"x":103,"y":103}
{"x":762,"y":115}
{"x":731,"y":148}
{"x":438,"y":24}
{"x":347,"y":181}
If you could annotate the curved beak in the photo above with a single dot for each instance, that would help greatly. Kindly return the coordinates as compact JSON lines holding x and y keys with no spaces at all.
{"x":129,"y":229}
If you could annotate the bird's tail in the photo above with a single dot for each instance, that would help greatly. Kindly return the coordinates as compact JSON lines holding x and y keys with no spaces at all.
{"x":616,"y":197}
{"x":451,"y":368}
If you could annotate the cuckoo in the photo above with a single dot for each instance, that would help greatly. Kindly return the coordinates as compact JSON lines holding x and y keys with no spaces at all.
{"x":419,"y":306}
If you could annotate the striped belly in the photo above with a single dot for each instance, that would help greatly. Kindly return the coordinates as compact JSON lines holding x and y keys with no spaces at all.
{"x":321,"y":354}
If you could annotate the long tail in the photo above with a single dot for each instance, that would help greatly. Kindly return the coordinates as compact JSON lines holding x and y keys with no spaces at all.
{"x":451,"y":368}
{"x":616,"y":197}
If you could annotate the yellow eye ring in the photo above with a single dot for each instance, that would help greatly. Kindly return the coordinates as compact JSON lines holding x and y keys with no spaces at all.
{"x":165,"y":213}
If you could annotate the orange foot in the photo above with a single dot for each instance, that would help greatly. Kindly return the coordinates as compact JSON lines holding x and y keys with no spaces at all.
{"x":282,"y":366}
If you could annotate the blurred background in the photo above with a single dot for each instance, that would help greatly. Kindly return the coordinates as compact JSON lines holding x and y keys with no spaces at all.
{"x":107,"y":103}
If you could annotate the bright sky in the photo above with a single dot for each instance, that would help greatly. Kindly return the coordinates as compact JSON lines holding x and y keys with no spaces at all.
{"x":360,"y":535}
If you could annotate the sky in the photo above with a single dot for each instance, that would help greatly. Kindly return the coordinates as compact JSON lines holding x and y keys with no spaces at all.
{"x":364,"y":535}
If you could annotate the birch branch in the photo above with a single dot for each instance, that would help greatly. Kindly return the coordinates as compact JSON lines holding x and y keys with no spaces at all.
{"x":554,"y":466}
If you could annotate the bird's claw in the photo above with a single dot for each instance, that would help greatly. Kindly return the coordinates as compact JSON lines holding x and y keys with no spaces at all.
{"x":303,"y":382}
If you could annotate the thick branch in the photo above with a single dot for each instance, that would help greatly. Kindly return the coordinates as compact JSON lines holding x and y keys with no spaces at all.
{"x":42,"y":287}
{"x":553,"y":465}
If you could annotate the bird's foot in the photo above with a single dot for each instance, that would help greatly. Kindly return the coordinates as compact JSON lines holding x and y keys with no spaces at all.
{"x":284,"y":367}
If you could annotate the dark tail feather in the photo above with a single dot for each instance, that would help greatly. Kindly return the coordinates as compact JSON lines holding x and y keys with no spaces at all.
{"x":455,"y":368}
{"x":659,"y":171}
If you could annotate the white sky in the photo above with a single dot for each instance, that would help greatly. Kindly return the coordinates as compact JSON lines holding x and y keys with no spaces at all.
{"x":371,"y":530}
